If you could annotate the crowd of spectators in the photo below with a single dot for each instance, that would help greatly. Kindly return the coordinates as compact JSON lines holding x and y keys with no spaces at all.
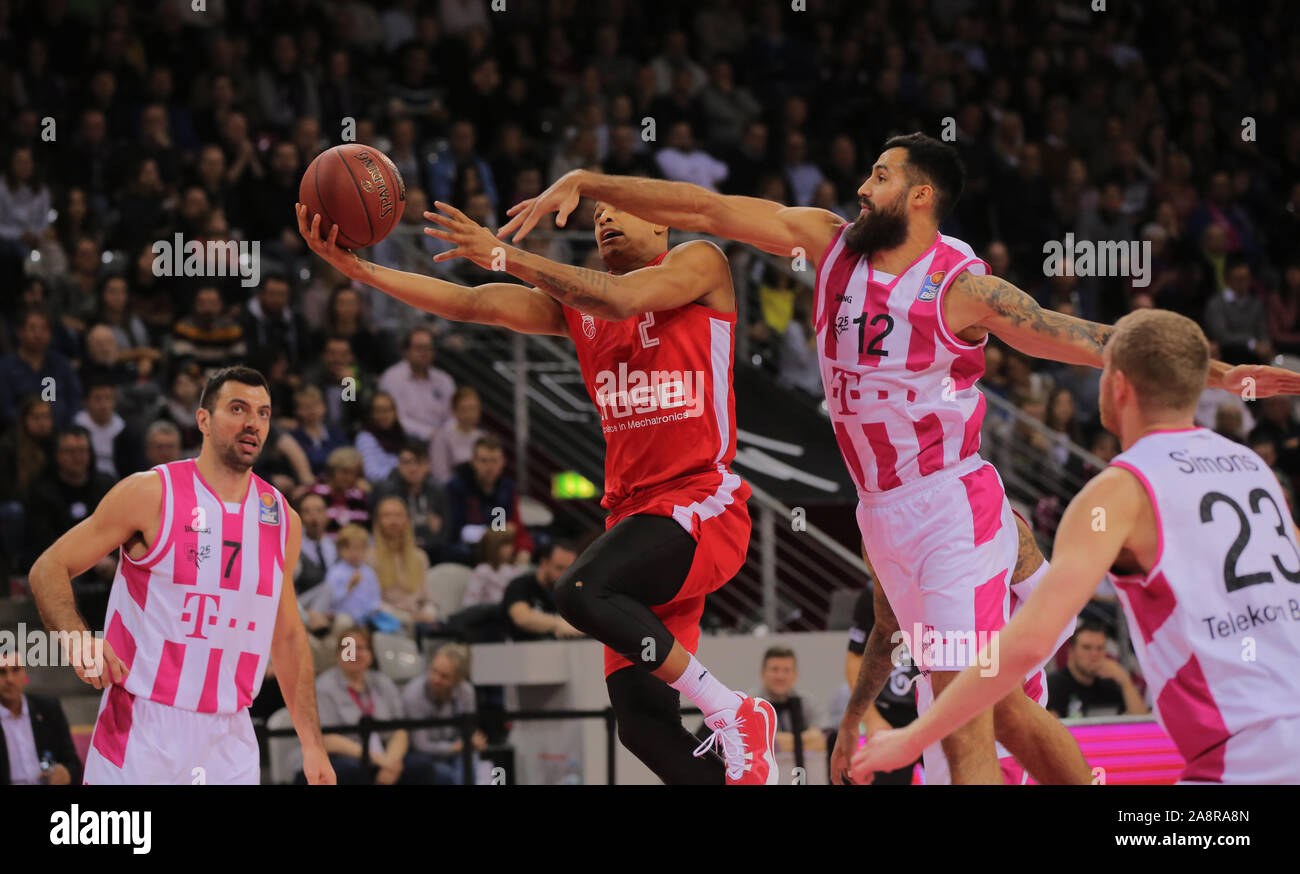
{"x":1135,"y":124}
{"x":131,"y":123}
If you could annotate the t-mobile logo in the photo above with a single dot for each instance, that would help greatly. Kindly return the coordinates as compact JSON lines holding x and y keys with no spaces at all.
{"x":198,"y":615}
{"x":840,"y":390}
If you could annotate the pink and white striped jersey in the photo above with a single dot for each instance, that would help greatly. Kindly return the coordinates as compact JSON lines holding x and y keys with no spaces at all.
{"x":899,"y":387}
{"x":193,"y":618}
{"x":1216,"y":621}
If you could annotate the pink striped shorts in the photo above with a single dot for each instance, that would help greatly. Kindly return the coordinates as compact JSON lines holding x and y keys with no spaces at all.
{"x":944,"y":547}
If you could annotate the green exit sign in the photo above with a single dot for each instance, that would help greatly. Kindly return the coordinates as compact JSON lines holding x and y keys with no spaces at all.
{"x":571,"y":485}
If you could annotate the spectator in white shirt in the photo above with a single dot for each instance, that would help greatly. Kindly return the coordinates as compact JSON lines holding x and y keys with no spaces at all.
{"x":683,"y":162}
{"x":100,"y":418}
{"x":454,"y":444}
{"x":421,"y":391}
{"x":24,"y":204}
{"x":495,"y":570}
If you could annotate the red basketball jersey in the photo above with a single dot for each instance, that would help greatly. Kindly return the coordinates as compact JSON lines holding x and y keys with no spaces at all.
{"x":661,"y":382}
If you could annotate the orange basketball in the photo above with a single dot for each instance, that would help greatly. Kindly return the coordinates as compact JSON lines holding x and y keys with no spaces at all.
{"x":357,"y":188}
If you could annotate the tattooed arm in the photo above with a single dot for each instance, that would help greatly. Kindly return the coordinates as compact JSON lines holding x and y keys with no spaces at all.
{"x":876,"y":661}
{"x":977,"y":305}
{"x":877,"y":664}
{"x":695,"y":271}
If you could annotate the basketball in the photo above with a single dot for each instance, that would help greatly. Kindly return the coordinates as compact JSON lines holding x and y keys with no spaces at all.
{"x":357,"y":188}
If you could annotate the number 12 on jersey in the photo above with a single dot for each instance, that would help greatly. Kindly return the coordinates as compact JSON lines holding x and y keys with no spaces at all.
{"x":875,"y":347}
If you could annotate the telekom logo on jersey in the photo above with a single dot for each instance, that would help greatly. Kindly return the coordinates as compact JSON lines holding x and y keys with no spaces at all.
{"x":627,"y":392}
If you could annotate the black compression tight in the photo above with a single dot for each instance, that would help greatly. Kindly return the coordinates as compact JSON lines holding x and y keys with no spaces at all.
{"x":641,"y":562}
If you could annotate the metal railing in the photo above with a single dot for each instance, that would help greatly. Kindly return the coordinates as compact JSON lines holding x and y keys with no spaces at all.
{"x":468,"y":723}
{"x":1031,"y":473}
{"x":532,"y":386}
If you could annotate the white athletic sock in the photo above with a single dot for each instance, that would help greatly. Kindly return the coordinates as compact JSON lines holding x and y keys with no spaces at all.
{"x":705,"y":690}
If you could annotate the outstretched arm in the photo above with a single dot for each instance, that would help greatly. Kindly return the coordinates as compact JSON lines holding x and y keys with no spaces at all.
{"x":1080,"y":559}
{"x":688,"y":273}
{"x":977,"y":304}
{"x":500,"y":304}
{"x":764,"y":224}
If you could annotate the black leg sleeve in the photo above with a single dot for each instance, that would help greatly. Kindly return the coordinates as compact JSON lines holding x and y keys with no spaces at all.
{"x":650,"y":726}
{"x":607,"y":593}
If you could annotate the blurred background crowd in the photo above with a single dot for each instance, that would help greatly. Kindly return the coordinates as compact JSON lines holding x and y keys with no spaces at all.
{"x":129,"y":123}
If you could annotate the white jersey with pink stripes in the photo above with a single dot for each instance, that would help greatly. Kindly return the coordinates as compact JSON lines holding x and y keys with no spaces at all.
{"x":1216,"y":621}
{"x":193,"y":618}
{"x":899,"y":387}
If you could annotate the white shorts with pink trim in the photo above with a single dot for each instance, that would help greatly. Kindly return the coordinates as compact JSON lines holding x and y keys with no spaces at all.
{"x":141,"y":742}
{"x":944,"y":547}
{"x":1035,"y":686}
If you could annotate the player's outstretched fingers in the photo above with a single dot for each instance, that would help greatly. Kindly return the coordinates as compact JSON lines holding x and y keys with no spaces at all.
{"x":445,"y":221}
{"x":525,"y":221}
{"x":566,"y":209}
{"x":455,"y":214}
{"x":519,"y":212}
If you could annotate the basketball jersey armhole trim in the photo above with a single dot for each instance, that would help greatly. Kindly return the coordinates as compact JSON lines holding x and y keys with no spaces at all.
{"x":1155,"y":508}
{"x":711,"y":311}
{"x":947,"y":335}
{"x":163,"y":537}
{"x":283,"y":558}
{"x":821,"y":265}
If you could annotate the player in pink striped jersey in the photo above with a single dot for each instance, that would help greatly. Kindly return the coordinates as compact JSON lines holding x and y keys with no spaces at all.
{"x":902,"y":315}
{"x":1194,"y":532}
{"x":198,"y":606}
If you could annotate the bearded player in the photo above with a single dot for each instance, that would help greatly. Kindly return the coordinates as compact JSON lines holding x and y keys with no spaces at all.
{"x":1202,"y":552}
{"x":198,"y":605}
{"x":654,"y":338}
{"x":902,"y":316}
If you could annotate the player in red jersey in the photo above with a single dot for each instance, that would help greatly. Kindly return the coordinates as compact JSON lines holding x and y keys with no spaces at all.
{"x":655,"y":339}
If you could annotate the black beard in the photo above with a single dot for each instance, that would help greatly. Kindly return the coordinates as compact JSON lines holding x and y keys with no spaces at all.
{"x":877,"y":231}
{"x":230,"y":458}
